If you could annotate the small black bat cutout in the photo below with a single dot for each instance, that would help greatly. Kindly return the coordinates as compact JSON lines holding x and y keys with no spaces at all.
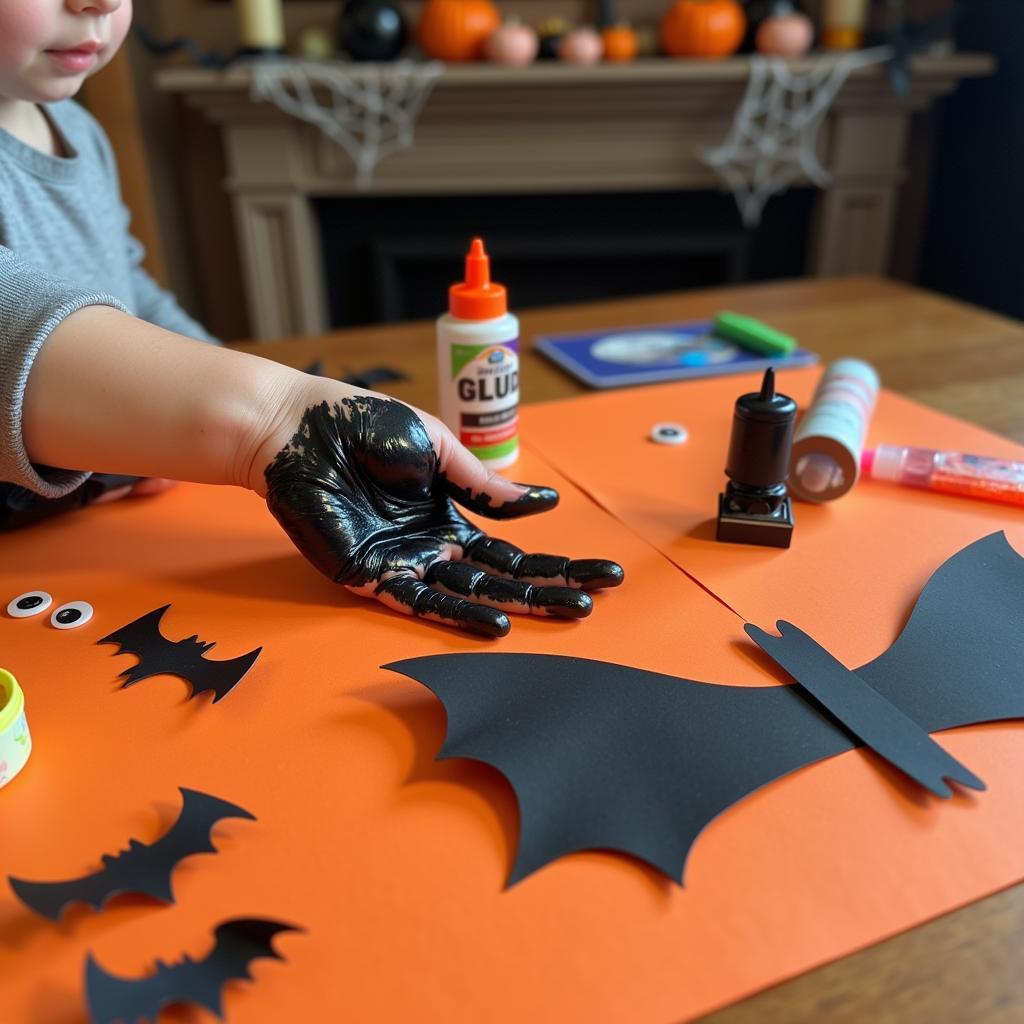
{"x":141,"y":869}
{"x":185,"y":658}
{"x":604,"y":756}
{"x":129,"y":1000}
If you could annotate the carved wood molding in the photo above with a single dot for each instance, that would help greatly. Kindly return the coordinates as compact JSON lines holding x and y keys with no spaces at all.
{"x":557,"y":128}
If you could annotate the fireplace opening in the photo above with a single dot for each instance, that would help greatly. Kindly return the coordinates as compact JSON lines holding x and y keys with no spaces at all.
{"x":392,"y":258}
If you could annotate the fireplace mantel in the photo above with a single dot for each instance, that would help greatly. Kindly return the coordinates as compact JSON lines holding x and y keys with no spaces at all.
{"x":549,"y":128}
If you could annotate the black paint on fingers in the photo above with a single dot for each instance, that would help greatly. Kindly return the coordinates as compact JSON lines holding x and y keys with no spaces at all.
{"x":502,"y":557}
{"x":563,"y":602}
{"x":594,"y":573}
{"x":507,"y":559}
{"x":422,"y":600}
{"x":533,"y":500}
{"x":512,"y":595}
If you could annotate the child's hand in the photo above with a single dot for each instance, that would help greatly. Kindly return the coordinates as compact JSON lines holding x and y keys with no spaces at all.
{"x":363,"y":486}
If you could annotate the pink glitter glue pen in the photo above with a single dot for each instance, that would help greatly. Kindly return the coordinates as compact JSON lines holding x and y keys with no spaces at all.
{"x":971,"y":476}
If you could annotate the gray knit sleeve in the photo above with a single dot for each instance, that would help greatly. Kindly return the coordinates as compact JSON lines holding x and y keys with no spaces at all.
{"x":32,"y":304}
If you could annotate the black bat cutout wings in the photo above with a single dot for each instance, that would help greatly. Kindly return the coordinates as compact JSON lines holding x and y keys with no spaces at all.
{"x":185,"y":658}
{"x":129,"y":1000}
{"x":604,"y":756}
{"x":141,"y":869}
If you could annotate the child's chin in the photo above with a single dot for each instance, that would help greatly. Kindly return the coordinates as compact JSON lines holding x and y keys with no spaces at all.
{"x":52,"y":90}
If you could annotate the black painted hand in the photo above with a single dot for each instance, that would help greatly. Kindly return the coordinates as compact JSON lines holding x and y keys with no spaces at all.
{"x":364,"y":489}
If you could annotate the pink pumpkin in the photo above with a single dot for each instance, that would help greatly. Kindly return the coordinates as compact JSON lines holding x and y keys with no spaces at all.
{"x":785,"y":35}
{"x":512,"y":44}
{"x":581,"y":46}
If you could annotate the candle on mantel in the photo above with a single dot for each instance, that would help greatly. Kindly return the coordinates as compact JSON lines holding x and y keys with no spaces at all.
{"x":260,"y":25}
{"x":843,"y":24}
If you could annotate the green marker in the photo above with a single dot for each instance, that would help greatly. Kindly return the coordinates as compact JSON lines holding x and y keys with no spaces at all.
{"x":752,"y":334}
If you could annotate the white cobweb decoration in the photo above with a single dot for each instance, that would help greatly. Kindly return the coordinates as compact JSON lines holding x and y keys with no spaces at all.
{"x":370,"y":109}
{"x":773,"y":138}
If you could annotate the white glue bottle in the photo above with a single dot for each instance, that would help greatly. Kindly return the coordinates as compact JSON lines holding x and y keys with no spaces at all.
{"x":478,"y":365}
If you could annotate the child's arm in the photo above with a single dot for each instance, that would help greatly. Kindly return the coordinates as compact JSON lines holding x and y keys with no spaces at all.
{"x":109,"y":392}
{"x":360,"y":482}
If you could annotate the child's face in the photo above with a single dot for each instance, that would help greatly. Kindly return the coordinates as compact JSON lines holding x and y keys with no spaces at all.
{"x":49,"y":47}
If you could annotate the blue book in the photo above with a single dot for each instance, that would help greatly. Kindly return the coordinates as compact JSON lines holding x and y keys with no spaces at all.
{"x":619,"y":357}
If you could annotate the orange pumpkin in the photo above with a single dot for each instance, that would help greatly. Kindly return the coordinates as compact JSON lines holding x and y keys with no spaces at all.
{"x":702,"y":28}
{"x":620,"y":43}
{"x":456,"y":30}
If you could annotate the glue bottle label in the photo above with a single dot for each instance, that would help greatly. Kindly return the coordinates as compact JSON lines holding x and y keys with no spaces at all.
{"x":485,"y":379}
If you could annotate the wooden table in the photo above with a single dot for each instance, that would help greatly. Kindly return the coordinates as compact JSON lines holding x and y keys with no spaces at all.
{"x":965,"y":966}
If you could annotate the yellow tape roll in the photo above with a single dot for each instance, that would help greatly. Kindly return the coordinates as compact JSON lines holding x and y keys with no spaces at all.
{"x":15,"y":741}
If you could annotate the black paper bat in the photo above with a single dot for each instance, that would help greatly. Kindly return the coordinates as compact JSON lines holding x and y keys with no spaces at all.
{"x":604,"y":756}
{"x":185,"y":658}
{"x":141,"y":869}
{"x":129,"y":1000}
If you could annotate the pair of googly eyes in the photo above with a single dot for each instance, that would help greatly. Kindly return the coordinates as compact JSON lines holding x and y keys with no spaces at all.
{"x":67,"y":616}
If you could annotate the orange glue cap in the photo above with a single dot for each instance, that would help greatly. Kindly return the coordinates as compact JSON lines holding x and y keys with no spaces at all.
{"x":478,"y":297}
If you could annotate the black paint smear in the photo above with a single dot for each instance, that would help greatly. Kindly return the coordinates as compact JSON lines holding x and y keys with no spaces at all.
{"x":355,"y":490}
{"x":359,"y":491}
{"x":605,"y":756}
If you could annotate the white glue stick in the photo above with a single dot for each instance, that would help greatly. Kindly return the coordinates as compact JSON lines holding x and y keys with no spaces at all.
{"x":830,"y":437}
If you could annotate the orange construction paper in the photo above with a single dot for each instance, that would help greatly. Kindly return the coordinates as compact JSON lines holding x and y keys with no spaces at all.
{"x":856,"y":565}
{"x":395,"y":864}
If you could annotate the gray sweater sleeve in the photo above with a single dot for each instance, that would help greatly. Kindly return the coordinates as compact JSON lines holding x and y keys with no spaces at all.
{"x":32,"y":304}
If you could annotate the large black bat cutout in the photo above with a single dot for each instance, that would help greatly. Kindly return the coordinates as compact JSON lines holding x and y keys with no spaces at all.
{"x":604,"y":756}
{"x":185,"y":658}
{"x":130,"y":1000}
{"x":141,"y":869}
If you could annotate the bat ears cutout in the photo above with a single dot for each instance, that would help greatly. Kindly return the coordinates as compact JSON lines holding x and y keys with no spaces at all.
{"x":184,"y":658}
{"x":607,"y":757}
{"x":142,"y":869}
{"x":236,"y":944}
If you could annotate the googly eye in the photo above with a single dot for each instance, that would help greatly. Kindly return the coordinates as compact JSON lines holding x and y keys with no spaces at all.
{"x":71,"y":615}
{"x":669,"y":433}
{"x":32,"y":603}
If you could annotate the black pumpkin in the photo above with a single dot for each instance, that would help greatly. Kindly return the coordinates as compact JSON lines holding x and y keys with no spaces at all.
{"x":372,"y":29}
